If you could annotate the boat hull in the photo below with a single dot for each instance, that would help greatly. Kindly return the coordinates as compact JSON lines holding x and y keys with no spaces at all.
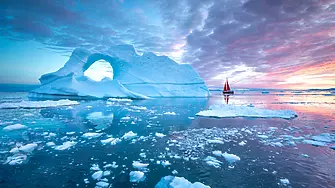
{"x":228,"y":92}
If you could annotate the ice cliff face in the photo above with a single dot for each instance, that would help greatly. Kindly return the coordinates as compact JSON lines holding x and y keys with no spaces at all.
{"x":135,"y":76}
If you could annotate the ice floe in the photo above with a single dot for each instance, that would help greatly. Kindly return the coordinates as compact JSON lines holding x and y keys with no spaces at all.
{"x":91,"y":135}
{"x":170,"y":113}
{"x":102,"y":184}
{"x":16,"y":159}
{"x":165,"y":163}
{"x":284,"y":181}
{"x":111,"y":140}
{"x":136,"y":176}
{"x":97,"y":175}
{"x":14,"y":127}
{"x":95,"y":167}
{"x":65,"y":145}
{"x":28,"y":147}
{"x":231,"y":158}
{"x":129,"y":135}
{"x":226,"y":111}
{"x":212,"y":161}
{"x":160,"y":135}
{"x":38,"y":104}
{"x":139,"y":165}
{"x":178,"y":182}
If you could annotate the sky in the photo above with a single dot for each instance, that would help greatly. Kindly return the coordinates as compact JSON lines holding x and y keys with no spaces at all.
{"x":256,"y":43}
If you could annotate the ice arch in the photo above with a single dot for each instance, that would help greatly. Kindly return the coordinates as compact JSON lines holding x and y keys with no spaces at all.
{"x":134,"y":76}
{"x":99,"y":70}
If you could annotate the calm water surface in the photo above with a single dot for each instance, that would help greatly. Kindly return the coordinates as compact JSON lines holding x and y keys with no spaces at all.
{"x":185,"y":146}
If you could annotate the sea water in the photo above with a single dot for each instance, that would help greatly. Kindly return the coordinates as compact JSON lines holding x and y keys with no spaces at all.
{"x":75,"y":146}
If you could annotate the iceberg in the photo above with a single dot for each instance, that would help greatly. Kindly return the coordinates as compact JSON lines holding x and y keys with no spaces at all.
{"x":229,"y":111}
{"x":178,"y":182}
{"x":134,"y":76}
{"x":38,"y":104}
{"x":136,"y":176}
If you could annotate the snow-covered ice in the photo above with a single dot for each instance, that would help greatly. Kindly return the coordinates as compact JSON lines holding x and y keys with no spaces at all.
{"x":91,"y":135}
{"x":111,"y":140}
{"x":284,"y":181}
{"x":97,"y":175}
{"x":119,"y":100}
{"x":170,"y":113}
{"x":136,"y":176}
{"x":16,"y":159}
{"x":65,"y":145}
{"x":28,"y":147}
{"x":160,"y":135}
{"x":38,"y":104}
{"x":129,"y":135}
{"x":102,"y":184}
{"x":139,"y":165}
{"x":231,"y":158}
{"x":212,"y":161}
{"x":225,"y":111}
{"x":134,"y":76}
{"x":14,"y":127}
{"x":178,"y":182}
{"x":165,"y":163}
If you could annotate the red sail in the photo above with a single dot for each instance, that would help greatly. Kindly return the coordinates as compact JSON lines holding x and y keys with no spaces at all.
{"x":225,"y":86}
{"x":228,"y":88}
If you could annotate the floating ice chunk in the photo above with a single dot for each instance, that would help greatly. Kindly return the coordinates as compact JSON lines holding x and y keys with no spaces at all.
{"x":14,"y":127}
{"x":170,"y":113}
{"x":50,"y":144}
{"x":70,"y":133}
{"x":174,"y":172}
{"x":65,"y":145}
{"x":225,"y":111}
{"x":107,"y":173}
{"x":139,"y":165}
{"x":113,"y":141}
{"x":304,"y":155}
{"x":120,"y":100}
{"x":217,"y":153}
{"x":102,"y":184}
{"x":278,"y":144}
{"x":92,"y":135}
{"x":215,"y":141}
{"x":231,"y":158}
{"x":178,"y":182}
{"x":14,"y":150}
{"x":16,"y":159}
{"x":242,"y":143}
{"x":325,"y":137}
{"x":136,"y":176}
{"x":262,"y":136}
{"x":143,"y":155}
{"x":190,"y":117}
{"x":160,"y":135}
{"x":113,"y":165}
{"x":125,"y":118}
{"x":165,"y":163}
{"x":28,"y":147}
{"x":86,"y":181}
{"x":38,"y":104}
{"x":284,"y":181}
{"x":314,"y":143}
{"x":52,"y":134}
{"x":129,"y":135}
{"x":97,"y":175}
{"x":95,"y":167}
{"x":212,"y":161}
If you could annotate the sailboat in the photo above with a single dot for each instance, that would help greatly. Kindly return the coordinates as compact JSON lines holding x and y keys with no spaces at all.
{"x":226,"y":88}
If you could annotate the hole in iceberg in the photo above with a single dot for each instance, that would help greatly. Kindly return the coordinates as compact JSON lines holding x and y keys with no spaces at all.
{"x":99,"y":70}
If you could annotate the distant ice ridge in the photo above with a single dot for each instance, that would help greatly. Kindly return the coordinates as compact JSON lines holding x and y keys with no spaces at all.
{"x":38,"y":104}
{"x":178,"y":182}
{"x":135,"y":76}
{"x":225,"y":111}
